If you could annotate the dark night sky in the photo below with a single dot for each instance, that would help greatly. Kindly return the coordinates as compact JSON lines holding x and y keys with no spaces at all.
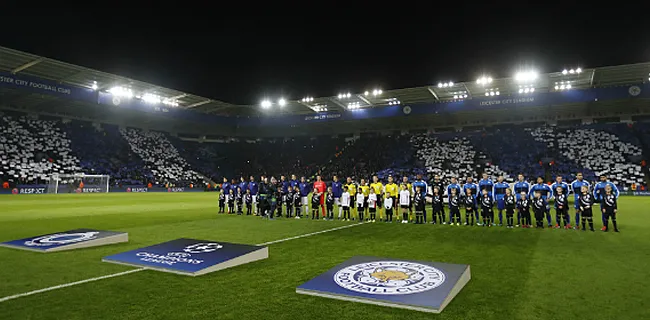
{"x":294,"y":52}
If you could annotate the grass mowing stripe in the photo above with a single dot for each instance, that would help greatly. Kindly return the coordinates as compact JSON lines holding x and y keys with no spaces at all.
{"x":141,"y":269}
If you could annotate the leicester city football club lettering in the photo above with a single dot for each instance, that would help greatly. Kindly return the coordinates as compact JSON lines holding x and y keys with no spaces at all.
{"x":68,"y":240}
{"x":190,"y":257}
{"x":415,"y":285}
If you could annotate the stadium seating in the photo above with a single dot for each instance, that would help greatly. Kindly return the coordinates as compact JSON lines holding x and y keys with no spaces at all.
{"x":603,"y":153}
{"x":449,"y":155}
{"x":104,"y":151}
{"x":31,"y":150}
{"x":512,"y":148}
{"x":161,"y":157}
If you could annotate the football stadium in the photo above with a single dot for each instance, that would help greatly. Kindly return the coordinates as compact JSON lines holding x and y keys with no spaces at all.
{"x":521,"y":197}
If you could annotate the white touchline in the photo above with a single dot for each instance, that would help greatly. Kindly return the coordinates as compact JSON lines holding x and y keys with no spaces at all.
{"x":61,"y":286}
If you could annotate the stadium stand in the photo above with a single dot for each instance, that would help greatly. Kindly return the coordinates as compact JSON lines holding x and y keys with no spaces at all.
{"x":602,"y":153}
{"x":512,"y":148}
{"x":32,"y":149}
{"x":102,"y":150}
{"x":161,"y":157}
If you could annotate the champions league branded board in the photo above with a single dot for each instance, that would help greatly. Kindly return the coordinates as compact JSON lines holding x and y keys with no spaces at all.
{"x":68,"y":240}
{"x":415,"y":285}
{"x":190,"y":257}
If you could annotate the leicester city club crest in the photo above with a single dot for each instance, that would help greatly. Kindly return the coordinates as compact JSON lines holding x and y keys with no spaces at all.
{"x":634,"y":91}
{"x":389,"y":277}
{"x":60,"y":239}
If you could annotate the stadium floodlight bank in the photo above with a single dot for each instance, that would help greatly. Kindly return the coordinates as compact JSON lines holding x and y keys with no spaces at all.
{"x":78,"y":183}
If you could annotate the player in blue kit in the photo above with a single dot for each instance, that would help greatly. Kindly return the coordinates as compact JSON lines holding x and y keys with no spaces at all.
{"x":520,"y":187}
{"x":499,"y":192}
{"x":545,"y":192}
{"x":254,"y":188}
{"x":337,"y":191}
{"x":473,"y":187}
{"x":576,"y":187}
{"x":304,"y":188}
{"x":454,"y":185}
{"x":599,"y":191}
{"x":486,"y":184}
{"x":565,"y":191}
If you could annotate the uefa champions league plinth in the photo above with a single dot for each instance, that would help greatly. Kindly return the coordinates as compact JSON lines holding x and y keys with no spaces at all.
{"x":68,"y":240}
{"x":414,"y":285}
{"x":190,"y":257}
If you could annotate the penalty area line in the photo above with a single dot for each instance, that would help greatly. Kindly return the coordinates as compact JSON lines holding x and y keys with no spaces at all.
{"x":123,"y":273}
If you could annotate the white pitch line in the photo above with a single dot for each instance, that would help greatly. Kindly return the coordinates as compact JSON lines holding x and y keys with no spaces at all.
{"x":61,"y":286}
{"x":310,"y":234}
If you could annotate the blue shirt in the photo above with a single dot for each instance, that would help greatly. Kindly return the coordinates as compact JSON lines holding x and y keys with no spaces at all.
{"x":453,"y":186}
{"x":486,"y":184}
{"x":471,"y":186}
{"x":285,"y":186}
{"x":293,"y":183}
{"x":252,"y":186}
{"x":576,"y":185}
{"x":225,"y":187}
{"x":304,"y":188}
{"x":599,"y":189}
{"x":543,"y":188}
{"x":243,"y":186}
{"x":500,"y":190}
{"x":337,"y":189}
{"x":423,"y":187}
{"x":521,"y":186}
{"x":563,"y":185}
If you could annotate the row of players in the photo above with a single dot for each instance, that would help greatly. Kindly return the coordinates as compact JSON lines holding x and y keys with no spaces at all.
{"x":368,"y":199}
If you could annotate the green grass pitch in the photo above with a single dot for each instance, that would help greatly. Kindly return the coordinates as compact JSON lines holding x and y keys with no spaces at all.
{"x":516,"y":273}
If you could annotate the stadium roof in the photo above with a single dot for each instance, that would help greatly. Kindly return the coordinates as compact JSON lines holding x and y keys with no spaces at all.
{"x":24,"y":63}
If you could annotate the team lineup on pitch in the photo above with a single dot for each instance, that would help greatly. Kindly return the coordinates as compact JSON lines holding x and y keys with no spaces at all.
{"x":359,"y":277}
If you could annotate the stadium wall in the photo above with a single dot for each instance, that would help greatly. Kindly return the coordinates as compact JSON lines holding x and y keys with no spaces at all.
{"x":42,"y":189}
{"x":423,"y":115}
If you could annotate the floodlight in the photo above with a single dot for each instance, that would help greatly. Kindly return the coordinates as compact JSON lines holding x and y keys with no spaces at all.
{"x":526,"y":76}
{"x":94,"y":85}
{"x":571,"y":71}
{"x":282,"y":102}
{"x":150,"y":98}
{"x":366,"y":93}
{"x":579,"y":70}
{"x":565,"y":71}
{"x":376,"y":92}
{"x":348,"y":95}
{"x":484,"y":80}
{"x":266,"y":104}
{"x":121,"y":92}
{"x":440,"y":84}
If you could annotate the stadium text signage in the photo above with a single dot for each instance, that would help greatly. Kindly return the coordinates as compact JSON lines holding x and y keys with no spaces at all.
{"x":323,"y":116}
{"x":92,"y":190}
{"x":14,"y":81}
{"x":508,"y":101}
{"x":38,"y":190}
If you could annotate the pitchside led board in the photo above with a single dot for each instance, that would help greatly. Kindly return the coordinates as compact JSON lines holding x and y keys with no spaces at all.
{"x":415,"y":285}
{"x":190,"y":257}
{"x":68,"y":240}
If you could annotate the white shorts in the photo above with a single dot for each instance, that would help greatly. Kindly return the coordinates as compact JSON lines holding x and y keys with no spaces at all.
{"x":254,"y":198}
{"x":337,"y":201}
{"x":305,"y":201}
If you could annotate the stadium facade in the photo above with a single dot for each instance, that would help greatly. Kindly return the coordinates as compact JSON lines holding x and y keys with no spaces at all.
{"x":39,"y":85}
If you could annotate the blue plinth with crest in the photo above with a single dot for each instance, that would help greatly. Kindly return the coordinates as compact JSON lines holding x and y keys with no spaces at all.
{"x":190,"y":256}
{"x":416,"y":285}
{"x":68,"y":240}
